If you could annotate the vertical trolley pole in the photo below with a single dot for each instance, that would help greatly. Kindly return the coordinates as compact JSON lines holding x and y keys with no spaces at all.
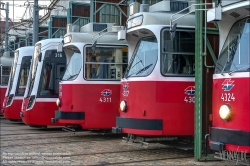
{"x":35,"y":22}
{"x":198,"y":81}
{"x":7,"y":27}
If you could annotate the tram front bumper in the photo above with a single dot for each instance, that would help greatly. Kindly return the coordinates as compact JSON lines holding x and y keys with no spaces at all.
{"x":221,"y":136}
{"x":145,"y":126}
{"x":67,"y":116}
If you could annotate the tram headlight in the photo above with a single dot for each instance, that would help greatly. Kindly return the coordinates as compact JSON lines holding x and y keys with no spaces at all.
{"x":123,"y":106}
{"x":58,"y":102}
{"x":226,"y":112}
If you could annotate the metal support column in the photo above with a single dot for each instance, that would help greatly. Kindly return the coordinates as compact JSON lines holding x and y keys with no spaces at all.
{"x":7,"y":27}
{"x":35,"y":22}
{"x":92,"y":11}
{"x":68,"y":15}
{"x":198,"y":82}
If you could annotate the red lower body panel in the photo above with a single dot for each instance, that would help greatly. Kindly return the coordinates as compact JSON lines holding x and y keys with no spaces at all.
{"x":13,"y":111}
{"x":40,"y":114}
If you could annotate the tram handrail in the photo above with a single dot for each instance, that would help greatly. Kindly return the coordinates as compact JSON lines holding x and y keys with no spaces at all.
{"x":98,"y":33}
{"x":171,"y":17}
{"x":204,"y":53}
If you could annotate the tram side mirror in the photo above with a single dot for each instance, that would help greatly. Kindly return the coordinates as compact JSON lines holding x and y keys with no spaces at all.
{"x":173,"y":31}
{"x":93,"y":47}
{"x":40,"y":57}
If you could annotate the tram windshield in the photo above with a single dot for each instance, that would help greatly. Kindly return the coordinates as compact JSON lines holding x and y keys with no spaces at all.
{"x":178,"y":54}
{"x":74,"y":66}
{"x":235,"y":54}
{"x":23,"y":75}
{"x":105,"y":62}
{"x":33,"y":68}
{"x":12,"y":74}
{"x":144,"y":58}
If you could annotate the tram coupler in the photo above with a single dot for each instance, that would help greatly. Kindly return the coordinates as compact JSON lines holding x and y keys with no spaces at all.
{"x":54,"y":120}
{"x":116,"y":130}
{"x":21,"y":115}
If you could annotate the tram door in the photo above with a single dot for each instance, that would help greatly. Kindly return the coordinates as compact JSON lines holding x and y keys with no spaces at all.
{"x":53,"y":68}
{"x":59,"y":73}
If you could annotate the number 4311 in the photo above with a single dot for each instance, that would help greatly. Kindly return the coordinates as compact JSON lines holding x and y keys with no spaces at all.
{"x":105,"y":99}
{"x":227,"y":97}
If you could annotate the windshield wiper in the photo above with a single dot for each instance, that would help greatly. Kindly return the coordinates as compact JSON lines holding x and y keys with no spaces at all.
{"x":138,"y":72}
{"x":248,"y":68}
{"x":71,"y":77}
{"x":144,"y":69}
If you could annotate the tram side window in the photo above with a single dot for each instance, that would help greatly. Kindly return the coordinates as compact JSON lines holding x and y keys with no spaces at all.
{"x":178,"y":54}
{"x":5,"y":75}
{"x":105,"y":63}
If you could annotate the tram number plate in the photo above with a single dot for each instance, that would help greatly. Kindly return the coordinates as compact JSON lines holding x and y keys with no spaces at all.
{"x":189,"y":99}
{"x":227,"y":97}
{"x":105,"y":99}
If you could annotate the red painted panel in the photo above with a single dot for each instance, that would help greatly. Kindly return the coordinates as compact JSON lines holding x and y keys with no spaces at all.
{"x":40,"y":114}
{"x":100,"y":110}
{"x":13,"y":112}
{"x":237,"y":97}
{"x":166,"y":101}
{"x":2,"y":95}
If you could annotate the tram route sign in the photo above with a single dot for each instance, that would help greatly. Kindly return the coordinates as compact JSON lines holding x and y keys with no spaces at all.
{"x":233,"y":156}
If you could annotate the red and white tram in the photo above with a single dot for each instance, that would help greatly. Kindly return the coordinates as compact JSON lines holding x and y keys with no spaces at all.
{"x":42,"y":88}
{"x":5,"y":68}
{"x":157,"y":92}
{"x":90,"y":88}
{"x":230,"y":129}
{"x":17,"y":83}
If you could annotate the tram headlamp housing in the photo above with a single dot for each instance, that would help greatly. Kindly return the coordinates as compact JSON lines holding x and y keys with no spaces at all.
{"x":226,"y":112}
{"x":67,"y":39}
{"x":58,"y":102}
{"x":123,"y":106}
{"x":31,"y":102}
{"x":10,"y":100}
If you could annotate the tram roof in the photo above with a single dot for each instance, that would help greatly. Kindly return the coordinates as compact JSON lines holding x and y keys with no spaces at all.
{"x":52,"y":40}
{"x":87,"y":38}
{"x":164,"y":18}
{"x":24,"y":49}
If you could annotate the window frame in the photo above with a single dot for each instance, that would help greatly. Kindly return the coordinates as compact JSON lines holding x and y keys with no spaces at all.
{"x":179,"y":53}
{"x":101,"y":45}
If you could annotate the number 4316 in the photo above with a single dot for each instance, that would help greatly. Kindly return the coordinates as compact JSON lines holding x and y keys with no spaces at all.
{"x":227,"y":97}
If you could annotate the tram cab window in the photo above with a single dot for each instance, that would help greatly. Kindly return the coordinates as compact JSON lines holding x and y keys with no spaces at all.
{"x":23,"y":75}
{"x":5,"y":75}
{"x":177,"y":56}
{"x":144,"y":58}
{"x":235,"y":54}
{"x":106,"y":63}
{"x":53,"y":67}
{"x":75,"y":64}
